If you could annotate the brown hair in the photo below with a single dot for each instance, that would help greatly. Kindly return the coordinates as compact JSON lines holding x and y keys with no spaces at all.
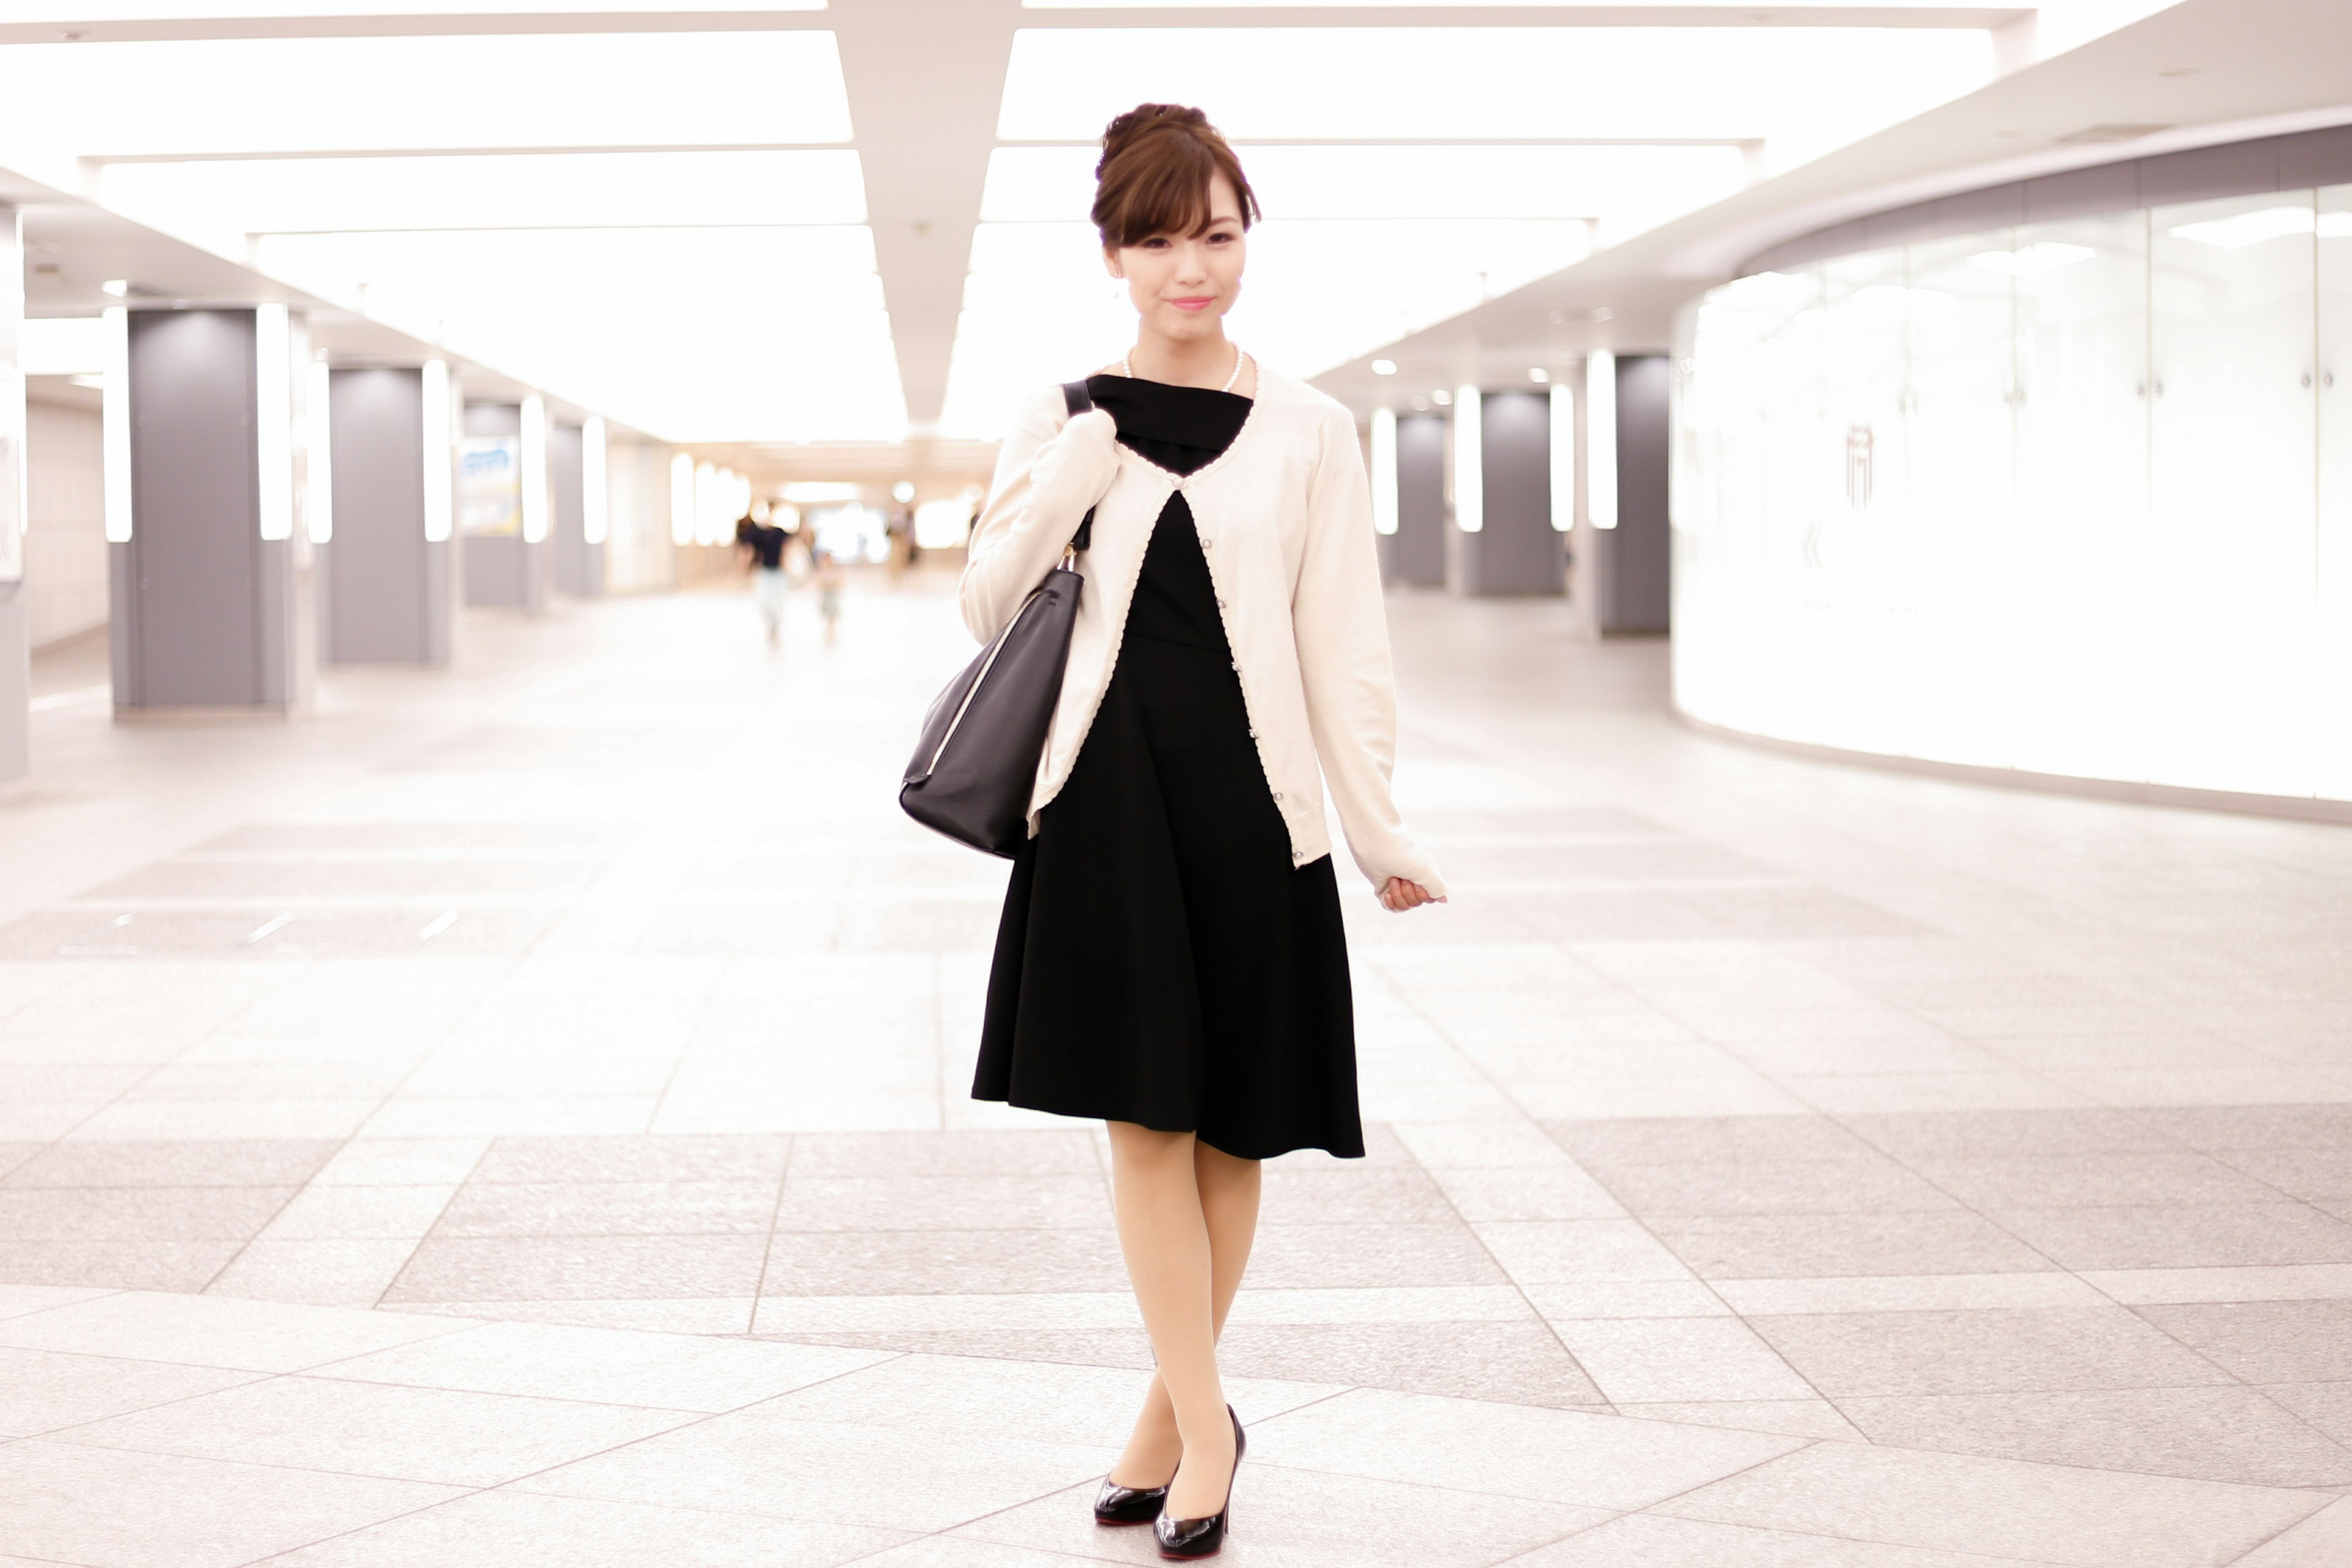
{"x":1157,"y":163}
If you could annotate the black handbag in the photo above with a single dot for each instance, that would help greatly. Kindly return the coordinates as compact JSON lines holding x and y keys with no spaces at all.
{"x":976,"y":764}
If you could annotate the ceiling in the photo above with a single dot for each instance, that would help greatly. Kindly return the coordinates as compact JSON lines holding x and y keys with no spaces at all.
{"x":810,"y":233}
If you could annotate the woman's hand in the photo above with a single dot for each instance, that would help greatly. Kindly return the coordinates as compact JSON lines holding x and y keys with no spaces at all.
{"x":1397,"y":894}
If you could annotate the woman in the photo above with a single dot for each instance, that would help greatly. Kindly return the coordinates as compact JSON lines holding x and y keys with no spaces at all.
{"x":1171,"y":957}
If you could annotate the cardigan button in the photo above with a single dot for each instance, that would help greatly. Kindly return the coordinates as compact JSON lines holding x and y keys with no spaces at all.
{"x":1277,"y":794}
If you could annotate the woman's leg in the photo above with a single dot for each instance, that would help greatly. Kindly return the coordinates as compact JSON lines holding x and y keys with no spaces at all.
{"x":1224,"y":1199}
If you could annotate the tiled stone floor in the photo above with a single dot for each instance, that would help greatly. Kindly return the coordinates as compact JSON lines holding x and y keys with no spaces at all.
{"x":516,"y":1116}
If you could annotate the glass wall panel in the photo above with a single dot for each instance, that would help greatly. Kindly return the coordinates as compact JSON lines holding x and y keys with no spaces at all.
{"x":2082,"y":635}
{"x":2333,"y":675}
{"x":1961,"y":610}
{"x":2233,"y":513}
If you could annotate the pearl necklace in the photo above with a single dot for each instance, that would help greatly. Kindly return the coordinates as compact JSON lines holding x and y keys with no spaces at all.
{"x":1127,"y":371}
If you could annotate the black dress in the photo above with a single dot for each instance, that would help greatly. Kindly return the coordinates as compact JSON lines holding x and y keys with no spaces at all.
{"x":1161,"y":959}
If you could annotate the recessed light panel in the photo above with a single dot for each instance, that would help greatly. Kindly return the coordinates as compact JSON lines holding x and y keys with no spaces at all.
{"x":537,"y":90}
{"x":1811,"y":87}
{"x":689,"y":334}
{"x":230,"y":198}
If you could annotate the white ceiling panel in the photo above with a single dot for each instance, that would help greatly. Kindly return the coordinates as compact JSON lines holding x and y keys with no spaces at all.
{"x":689,"y":334}
{"x":309,"y":95}
{"x":1811,"y":88}
{"x":1040,"y":185}
{"x":218,"y":202}
{"x":1039,"y":308}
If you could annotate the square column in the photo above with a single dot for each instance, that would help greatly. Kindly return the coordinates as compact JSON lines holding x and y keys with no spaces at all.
{"x":389,"y":566}
{"x":1623,"y":539}
{"x":1417,"y":549}
{"x":579,"y":559}
{"x":15,"y":609}
{"x":1503,"y":542}
{"x":502,"y":500}
{"x":209,"y":565}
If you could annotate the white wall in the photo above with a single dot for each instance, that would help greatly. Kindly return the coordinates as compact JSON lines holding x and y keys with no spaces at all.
{"x":2071,"y":498}
{"x":65,"y":545}
{"x":639,"y":555}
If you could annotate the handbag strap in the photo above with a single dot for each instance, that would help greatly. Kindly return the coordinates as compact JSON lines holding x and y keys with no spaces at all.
{"x":1077,"y":400}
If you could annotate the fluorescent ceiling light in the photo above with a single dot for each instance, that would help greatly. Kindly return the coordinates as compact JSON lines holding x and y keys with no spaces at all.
{"x":218,"y":203}
{"x":280,"y":96}
{"x":1469,"y":463}
{"x":818,"y":492}
{"x":1813,"y":87}
{"x":688,"y":334}
{"x":1432,"y":4}
{"x":1540,"y":375}
{"x":1047,"y":184}
{"x":1038,"y":308}
{"x":2045,"y":256}
{"x":62,"y":345}
{"x":1384,"y":367}
{"x":2243,"y":230}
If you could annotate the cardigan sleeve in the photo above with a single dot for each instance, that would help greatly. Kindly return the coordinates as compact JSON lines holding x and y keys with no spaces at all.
{"x":1341,"y":624}
{"x":1048,"y":473}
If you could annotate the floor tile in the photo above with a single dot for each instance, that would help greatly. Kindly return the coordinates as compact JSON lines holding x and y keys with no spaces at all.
{"x":45,"y":1391}
{"x":664,"y":1371}
{"x":538,"y":1267}
{"x":2003,"y":1508}
{"x":217,"y":1332}
{"x":373,"y":1429}
{"x":756,"y":1461}
{"x":330,"y":1273}
{"x":1661,"y":1359}
{"x":2200,"y":1236}
{"x":519,"y":1529}
{"x":1285,"y":1515}
{"x":1553,"y":1456}
{"x":2322,"y":1541}
{"x":1995,"y":1351}
{"x":1653,"y":1541}
{"x":154,"y":1510}
{"x":2229,"y":1433}
{"x":2260,"y":1341}
{"x":1819,"y":1246}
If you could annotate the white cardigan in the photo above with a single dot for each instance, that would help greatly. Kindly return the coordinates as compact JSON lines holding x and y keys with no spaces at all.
{"x":1286,"y":523}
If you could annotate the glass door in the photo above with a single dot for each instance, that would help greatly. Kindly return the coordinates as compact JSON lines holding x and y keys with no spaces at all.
{"x":2233,"y":500}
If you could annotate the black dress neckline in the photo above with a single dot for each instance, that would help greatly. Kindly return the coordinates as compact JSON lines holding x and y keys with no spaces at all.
{"x":1181,"y":428}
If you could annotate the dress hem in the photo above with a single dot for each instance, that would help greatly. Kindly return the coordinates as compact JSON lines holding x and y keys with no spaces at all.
{"x":1139,"y":1121}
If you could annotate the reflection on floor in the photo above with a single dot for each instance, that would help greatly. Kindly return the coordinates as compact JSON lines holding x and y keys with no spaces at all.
{"x":516,"y":1116}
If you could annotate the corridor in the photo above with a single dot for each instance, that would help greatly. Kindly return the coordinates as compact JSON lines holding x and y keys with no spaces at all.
{"x":519,"y":1116}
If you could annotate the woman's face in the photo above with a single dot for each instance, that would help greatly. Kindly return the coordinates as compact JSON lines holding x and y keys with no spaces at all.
{"x":1183,"y":284}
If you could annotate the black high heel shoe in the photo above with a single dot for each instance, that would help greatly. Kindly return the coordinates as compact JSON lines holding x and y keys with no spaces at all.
{"x":1116,"y":1504}
{"x":1181,"y":1539}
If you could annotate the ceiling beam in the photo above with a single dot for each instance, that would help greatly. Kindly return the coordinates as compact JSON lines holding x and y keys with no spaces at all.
{"x":923,"y":120}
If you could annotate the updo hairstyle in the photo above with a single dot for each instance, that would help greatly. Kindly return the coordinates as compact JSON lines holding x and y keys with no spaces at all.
{"x":1157,"y":162}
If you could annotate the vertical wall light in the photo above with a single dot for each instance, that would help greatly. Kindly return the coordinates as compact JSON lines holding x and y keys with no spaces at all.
{"x":595,"y":511}
{"x":318,"y":494}
{"x":273,"y":419}
{"x":440,"y":500}
{"x":114,"y":396}
{"x":1384,"y":471}
{"x":1469,"y":478}
{"x":681,"y":499}
{"x":1563,"y":458}
{"x":1601,"y":438}
{"x":535,"y":498}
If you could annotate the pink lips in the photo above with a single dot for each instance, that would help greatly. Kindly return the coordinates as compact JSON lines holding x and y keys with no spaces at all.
{"x":1195,"y":302}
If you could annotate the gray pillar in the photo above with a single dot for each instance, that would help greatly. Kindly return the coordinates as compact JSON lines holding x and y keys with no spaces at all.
{"x":1624,"y":568}
{"x":390,"y":592}
{"x":579,"y":565}
{"x":210,"y":593}
{"x":1418,"y":546}
{"x":15,"y":611}
{"x":502,"y":569}
{"x":1515,"y":551}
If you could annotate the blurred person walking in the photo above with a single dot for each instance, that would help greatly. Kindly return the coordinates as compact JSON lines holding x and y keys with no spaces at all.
{"x":1171,"y":957}
{"x":762,"y":546}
